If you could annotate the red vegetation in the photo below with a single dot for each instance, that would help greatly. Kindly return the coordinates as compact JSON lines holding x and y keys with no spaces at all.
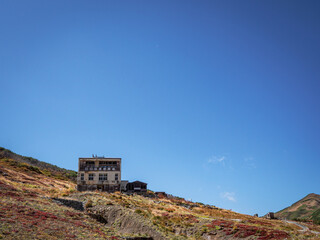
{"x":239,"y":230}
{"x":4,"y":186}
{"x":259,"y":222}
{"x":27,"y":218}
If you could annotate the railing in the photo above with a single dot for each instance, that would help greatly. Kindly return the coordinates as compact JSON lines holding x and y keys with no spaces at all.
{"x":107,"y":168}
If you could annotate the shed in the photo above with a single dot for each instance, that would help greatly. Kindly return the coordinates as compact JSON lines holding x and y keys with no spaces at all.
{"x":270,"y":215}
{"x":137,"y":186}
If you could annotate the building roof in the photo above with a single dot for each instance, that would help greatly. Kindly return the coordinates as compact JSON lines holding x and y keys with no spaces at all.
{"x":99,"y":158}
{"x":138,"y":182}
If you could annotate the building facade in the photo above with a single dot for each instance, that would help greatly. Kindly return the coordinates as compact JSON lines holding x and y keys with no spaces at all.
{"x":99,"y":173}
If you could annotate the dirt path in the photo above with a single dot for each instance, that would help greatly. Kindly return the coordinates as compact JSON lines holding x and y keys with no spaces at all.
{"x":304,"y":228}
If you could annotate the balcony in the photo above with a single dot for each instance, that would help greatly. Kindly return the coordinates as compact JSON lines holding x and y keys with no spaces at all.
{"x":104,"y":168}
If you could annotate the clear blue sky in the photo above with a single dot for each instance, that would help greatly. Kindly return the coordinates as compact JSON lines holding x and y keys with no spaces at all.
{"x":214,"y":101}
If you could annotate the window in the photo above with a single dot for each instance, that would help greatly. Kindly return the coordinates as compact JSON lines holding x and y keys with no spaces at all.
{"x":103,"y":176}
{"x":91,"y":176}
{"x":112,"y":163}
{"x":82,"y":176}
{"x":90,"y":163}
{"x":102,"y":163}
{"x":116,"y":177}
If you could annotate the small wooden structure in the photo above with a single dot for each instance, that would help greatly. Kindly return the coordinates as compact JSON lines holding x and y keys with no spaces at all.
{"x":137,"y":187}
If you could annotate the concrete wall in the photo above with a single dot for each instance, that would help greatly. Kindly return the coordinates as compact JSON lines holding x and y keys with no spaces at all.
{"x":111,"y":168}
{"x":111,"y":177}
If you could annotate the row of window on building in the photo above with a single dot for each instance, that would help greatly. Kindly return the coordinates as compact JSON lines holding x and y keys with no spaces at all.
{"x":102,"y":177}
{"x":101,"y":163}
{"x":101,"y":169}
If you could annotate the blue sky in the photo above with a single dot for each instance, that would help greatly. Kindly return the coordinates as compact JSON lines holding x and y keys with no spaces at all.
{"x":214,"y":101}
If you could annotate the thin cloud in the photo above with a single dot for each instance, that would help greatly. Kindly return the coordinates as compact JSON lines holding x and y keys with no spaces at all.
{"x":250,"y":162}
{"x":229,"y":196}
{"x":216,"y":159}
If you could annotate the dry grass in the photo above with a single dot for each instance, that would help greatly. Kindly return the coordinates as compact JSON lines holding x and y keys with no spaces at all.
{"x":27,"y":212}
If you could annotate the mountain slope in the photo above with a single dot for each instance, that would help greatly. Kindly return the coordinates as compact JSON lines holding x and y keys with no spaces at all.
{"x":308,"y":208}
{"x":27,"y":210}
{"x":34,"y":205}
{"x":46,"y":167}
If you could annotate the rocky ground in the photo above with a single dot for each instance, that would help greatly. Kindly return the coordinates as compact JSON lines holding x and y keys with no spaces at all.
{"x":37,"y":205}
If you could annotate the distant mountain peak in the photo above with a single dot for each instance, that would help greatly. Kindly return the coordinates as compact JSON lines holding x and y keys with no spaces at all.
{"x":308,"y":208}
{"x":313,"y":195}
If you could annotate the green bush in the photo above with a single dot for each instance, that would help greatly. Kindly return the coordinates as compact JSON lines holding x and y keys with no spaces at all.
{"x":138,"y":211}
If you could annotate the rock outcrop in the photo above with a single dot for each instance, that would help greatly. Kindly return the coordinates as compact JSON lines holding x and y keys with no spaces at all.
{"x":125,"y":220}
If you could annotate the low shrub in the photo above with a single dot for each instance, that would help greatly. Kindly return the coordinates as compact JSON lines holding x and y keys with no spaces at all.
{"x":89,"y":204}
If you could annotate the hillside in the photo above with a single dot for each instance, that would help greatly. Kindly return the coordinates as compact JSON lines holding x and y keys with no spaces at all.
{"x":35,"y":203}
{"x":308,"y":208}
{"x":45,"y":167}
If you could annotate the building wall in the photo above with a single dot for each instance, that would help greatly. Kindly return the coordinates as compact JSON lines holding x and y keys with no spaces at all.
{"x":110,"y":169}
{"x":123,"y":185}
{"x":111,"y":177}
